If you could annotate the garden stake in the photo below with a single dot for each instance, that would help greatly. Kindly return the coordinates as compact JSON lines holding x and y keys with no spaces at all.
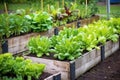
{"x":42,"y":5}
{"x":5,"y":47}
{"x":102,"y":53}
{"x":86,"y":7}
{"x":48,"y":8}
{"x":6,"y":10}
{"x":75,"y":1}
{"x":58,"y":4}
{"x":63,"y":3}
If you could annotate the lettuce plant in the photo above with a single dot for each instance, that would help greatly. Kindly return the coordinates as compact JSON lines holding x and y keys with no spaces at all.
{"x":40,"y":21}
{"x":39,"y":46}
{"x":19,"y":67}
{"x":67,"y":49}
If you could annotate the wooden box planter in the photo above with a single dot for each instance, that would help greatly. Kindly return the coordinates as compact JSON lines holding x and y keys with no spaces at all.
{"x":89,"y":20}
{"x":111,"y":47}
{"x":54,"y":76}
{"x":18,"y":44}
{"x":70,"y":70}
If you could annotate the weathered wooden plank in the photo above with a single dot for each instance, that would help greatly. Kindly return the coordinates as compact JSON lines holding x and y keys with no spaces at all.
{"x":108,"y":48}
{"x":85,"y":67}
{"x":111,"y":47}
{"x":51,"y":64}
{"x":54,"y":66}
{"x":87,"y":61}
{"x":115,"y":46}
{"x":18,"y":44}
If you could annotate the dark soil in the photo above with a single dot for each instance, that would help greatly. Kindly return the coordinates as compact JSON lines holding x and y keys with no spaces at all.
{"x":109,"y":69}
{"x":51,"y":57}
{"x":43,"y":76}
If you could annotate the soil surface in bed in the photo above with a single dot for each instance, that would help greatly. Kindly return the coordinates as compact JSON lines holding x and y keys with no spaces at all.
{"x":109,"y":69}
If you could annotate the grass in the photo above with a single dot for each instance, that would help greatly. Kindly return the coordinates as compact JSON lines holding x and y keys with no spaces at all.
{"x":115,"y":9}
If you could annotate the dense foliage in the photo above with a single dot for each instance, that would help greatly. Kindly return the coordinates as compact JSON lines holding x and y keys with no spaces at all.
{"x":71,"y":43}
{"x":19,"y":23}
{"x":39,"y":46}
{"x":18,"y":68}
{"x":40,"y":21}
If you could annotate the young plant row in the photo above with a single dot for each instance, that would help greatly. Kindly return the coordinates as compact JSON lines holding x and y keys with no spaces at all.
{"x":23,"y":21}
{"x":19,"y":23}
{"x":71,"y":43}
{"x":72,"y":12}
{"x":18,"y":68}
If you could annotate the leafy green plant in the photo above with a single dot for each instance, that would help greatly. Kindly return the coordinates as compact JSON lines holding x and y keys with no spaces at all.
{"x":26,"y":67}
{"x":13,"y":24}
{"x":105,"y":31}
{"x":4,"y":27}
{"x":67,"y":49}
{"x":40,"y":21}
{"x":65,"y":33}
{"x":6,"y":62}
{"x":88,"y":39}
{"x":115,"y":23}
{"x":39,"y":46}
{"x":19,"y":67}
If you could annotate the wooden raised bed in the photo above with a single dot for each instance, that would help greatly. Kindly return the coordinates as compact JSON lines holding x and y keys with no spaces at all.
{"x":18,"y":44}
{"x":111,"y":47}
{"x":55,"y":76}
{"x":89,"y":20}
{"x":75,"y":24}
{"x":70,"y":70}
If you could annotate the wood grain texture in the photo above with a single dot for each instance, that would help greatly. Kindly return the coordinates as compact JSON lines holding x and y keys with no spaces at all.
{"x":111,"y":47}
{"x":19,"y":43}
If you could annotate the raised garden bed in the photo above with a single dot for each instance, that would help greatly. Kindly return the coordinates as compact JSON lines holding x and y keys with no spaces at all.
{"x":18,"y":44}
{"x":83,"y":21}
{"x":70,"y":70}
{"x":75,"y":24}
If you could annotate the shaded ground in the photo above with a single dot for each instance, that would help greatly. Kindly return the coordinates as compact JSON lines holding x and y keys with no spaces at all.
{"x":109,"y":69}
